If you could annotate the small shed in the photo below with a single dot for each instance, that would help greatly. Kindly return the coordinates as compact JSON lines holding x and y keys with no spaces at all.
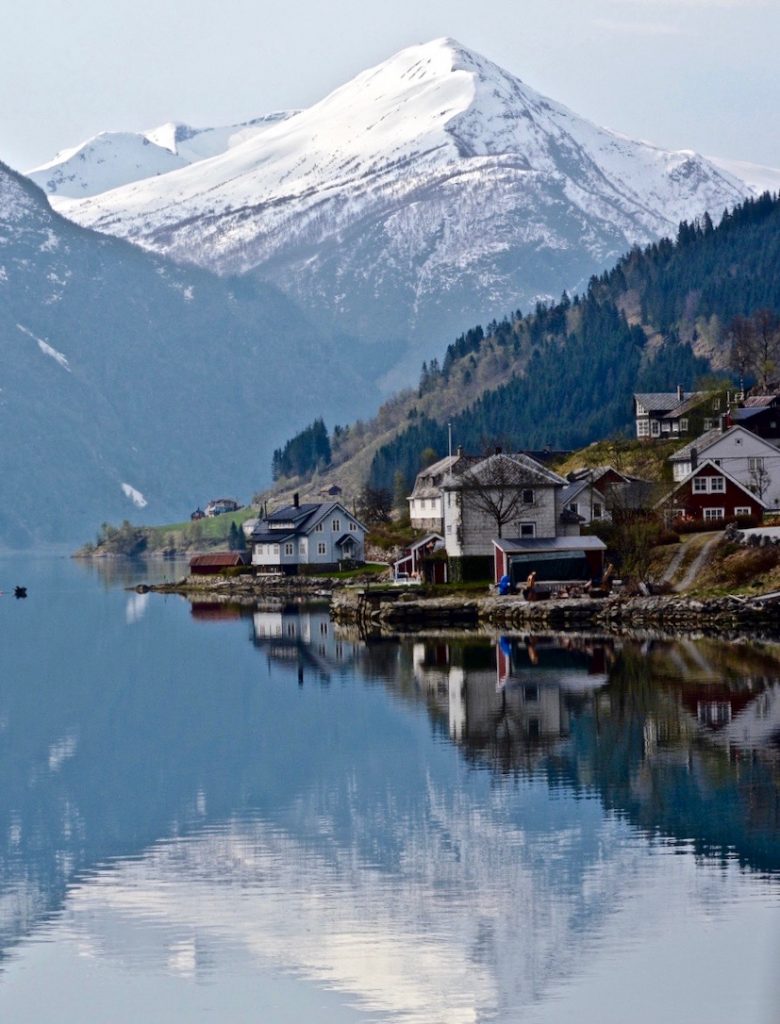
{"x":553,"y":559}
{"x":218,"y":561}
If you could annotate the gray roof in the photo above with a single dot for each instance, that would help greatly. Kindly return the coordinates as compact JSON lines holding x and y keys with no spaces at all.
{"x":570,"y":491}
{"x":760,"y":401}
{"x":700,"y":444}
{"x":520,"y":545}
{"x":520,"y":470}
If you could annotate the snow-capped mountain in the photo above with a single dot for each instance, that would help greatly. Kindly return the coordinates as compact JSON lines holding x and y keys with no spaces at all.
{"x":112,"y":159}
{"x":129,"y":382}
{"x":429,"y":192}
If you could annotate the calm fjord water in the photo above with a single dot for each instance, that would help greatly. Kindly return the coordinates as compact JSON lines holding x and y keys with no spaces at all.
{"x":214,"y":815}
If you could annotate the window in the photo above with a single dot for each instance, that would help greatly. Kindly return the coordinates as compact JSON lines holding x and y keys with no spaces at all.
{"x":335,"y":525}
{"x":640,"y":409}
{"x":755,"y":465}
{"x":302,"y":548}
{"x":716,"y":404}
{"x":288,"y":549}
{"x":683,"y":425}
{"x":352,"y":527}
{"x":276,"y":549}
{"x":712,"y":514}
{"x":531,"y":694}
{"x":700,"y":485}
{"x":655,"y":428}
{"x":527,"y":529}
{"x":718,"y":484}
{"x":707,"y":425}
{"x":528,"y":497}
{"x":318,"y":528}
{"x":742,"y":510}
{"x":449,"y":527}
{"x":597,"y":510}
{"x":642,"y":428}
{"x":574,"y":507}
{"x":321,"y":548}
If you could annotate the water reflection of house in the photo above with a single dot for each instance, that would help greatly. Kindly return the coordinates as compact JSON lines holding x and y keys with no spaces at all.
{"x":304,"y":637}
{"x":511,"y":698}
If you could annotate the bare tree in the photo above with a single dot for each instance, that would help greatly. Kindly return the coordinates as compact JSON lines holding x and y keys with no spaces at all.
{"x":759,"y":478}
{"x":743,"y":347}
{"x":767,"y":335}
{"x":499,"y":487}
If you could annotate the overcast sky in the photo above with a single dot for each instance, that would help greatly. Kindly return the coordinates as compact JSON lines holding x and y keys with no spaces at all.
{"x":699,"y":74}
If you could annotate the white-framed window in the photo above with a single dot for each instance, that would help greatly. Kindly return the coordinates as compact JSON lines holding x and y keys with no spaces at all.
{"x":700,"y":485}
{"x":335,"y":525}
{"x":707,"y":425}
{"x":573,"y":507}
{"x":528,"y":496}
{"x":352,"y":527}
{"x":717,"y":485}
{"x":655,"y":428}
{"x":755,"y":465}
{"x":716,"y":404}
{"x":598,"y":510}
{"x":640,"y":409}
{"x":318,"y":528}
{"x":527,"y":529}
{"x":742,"y":510}
{"x":642,"y":428}
{"x":321,"y":549}
{"x":683,"y":425}
{"x":712,"y":514}
{"x":288,"y":548}
{"x":276,"y":549}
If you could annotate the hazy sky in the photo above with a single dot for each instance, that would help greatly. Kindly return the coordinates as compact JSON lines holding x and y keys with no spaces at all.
{"x":700,"y":74}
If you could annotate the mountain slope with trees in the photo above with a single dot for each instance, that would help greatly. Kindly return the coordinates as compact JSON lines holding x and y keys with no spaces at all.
{"x":563,"y":375}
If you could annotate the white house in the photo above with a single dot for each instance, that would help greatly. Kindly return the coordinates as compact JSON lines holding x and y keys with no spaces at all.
{"x":307,"y":537}
{"x":509,"y":495}
{"x":426,"y":510}
{"x":749,"y":459}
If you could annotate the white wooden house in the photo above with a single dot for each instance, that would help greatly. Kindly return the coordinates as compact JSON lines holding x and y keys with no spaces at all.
{"x":319,"y":536}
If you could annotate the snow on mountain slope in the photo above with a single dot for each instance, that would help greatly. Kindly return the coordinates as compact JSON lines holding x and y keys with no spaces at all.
{"x":430,"y":191}
{"x":760,"y":178}
{"x":112,"y":159}
{"x":122,"y":374}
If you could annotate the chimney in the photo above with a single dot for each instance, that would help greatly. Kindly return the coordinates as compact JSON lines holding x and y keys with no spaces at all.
{"x":680,"y":393}
{"x":694,"y":458}
{"x":722,"y":419}
{"x":459,"y":451}
{"x":296,"y":500}
{"x":498,"y":450}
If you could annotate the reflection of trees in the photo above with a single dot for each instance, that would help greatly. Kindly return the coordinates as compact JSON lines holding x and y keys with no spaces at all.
{"x":637,"y":741}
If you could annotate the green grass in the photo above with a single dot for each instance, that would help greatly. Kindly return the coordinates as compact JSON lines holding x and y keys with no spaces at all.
{"x":369,"y":569}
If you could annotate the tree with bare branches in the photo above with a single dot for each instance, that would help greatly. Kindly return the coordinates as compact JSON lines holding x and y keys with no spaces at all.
{"x":498,"y":487}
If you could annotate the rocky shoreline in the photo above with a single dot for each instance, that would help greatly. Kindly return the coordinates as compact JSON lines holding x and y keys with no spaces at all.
{"x":372,"y":606}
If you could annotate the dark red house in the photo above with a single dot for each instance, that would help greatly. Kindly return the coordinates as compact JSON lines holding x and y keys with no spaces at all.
{"x":711,"y":494}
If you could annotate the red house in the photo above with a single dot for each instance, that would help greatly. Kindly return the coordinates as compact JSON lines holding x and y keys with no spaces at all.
{"x":711,"y":494}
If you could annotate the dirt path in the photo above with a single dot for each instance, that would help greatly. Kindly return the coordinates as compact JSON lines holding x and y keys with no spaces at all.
{"x":698,"y":563}
{"x":671,"y":570}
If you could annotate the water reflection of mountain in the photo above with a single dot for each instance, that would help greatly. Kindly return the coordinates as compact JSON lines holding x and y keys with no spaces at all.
{"x":149,"y":736}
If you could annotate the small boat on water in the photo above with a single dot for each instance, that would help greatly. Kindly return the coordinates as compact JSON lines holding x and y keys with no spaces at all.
{"x":20,"y":591}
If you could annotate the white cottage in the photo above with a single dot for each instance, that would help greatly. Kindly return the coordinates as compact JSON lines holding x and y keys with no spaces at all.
{"x":318,"y":536}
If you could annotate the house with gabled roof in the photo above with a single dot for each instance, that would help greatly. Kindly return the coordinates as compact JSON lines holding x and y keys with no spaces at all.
{"x":709,"y":493}
{"x":426,"y":510}
{"x":665,"y":413}
{"x":749,"y":459}
{"x":504,"y":494}
{"x":317,"y":536}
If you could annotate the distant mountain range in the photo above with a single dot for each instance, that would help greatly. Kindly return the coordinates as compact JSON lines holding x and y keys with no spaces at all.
{"x":432,"y":191}
{"x":130,"y":386}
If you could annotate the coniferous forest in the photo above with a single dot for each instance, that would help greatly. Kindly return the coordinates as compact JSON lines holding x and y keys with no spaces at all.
{"x":635,"y":329}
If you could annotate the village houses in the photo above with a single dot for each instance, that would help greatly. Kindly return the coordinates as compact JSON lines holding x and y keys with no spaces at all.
{"x":747,"y":458}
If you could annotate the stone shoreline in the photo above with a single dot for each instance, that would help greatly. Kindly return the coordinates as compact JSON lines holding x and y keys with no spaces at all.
{"x":374,"y":606}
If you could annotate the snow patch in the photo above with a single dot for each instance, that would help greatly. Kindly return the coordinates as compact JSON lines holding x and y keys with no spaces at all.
{"x":134,"y":495}
{"x":47,"y":349}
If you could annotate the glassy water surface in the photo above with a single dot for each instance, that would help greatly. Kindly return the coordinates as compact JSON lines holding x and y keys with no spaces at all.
{"x":229,"y":814}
